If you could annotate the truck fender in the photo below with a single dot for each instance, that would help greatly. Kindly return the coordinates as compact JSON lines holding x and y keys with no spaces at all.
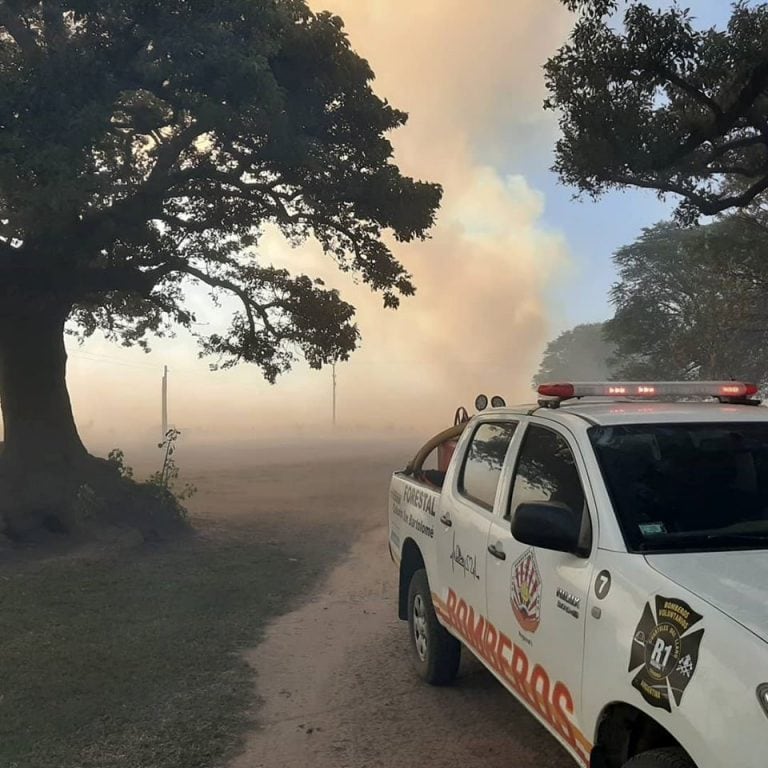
{"x":624,"y":731}
{"x":411,"y":560}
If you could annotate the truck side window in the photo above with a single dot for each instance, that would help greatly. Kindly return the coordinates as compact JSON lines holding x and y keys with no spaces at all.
{"x":546,"y":471}
{"x":482,"y":466}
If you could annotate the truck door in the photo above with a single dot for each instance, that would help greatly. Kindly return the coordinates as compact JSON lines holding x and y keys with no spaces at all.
{"x":466,"y":514}
{"x":537,"y":598}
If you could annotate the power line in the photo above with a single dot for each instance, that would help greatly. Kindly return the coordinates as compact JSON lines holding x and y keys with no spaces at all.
{"x":110,"y":361}
{"x":93,"y":357}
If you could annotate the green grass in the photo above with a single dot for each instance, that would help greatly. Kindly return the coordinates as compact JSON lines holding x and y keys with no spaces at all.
{"x":134,"y":660}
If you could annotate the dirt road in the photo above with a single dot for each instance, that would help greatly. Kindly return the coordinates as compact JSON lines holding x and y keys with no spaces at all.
{"x":336,"y":689}
{"x":289,"y":555}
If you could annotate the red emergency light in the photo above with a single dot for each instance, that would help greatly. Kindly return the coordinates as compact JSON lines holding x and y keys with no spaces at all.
{"x":724,"y":389}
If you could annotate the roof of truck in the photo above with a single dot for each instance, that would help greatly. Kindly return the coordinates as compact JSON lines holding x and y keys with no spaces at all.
{"x":650,"y":412}
{"x":641,"y":402}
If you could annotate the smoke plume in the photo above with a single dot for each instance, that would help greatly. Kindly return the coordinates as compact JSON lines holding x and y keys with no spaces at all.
{"x":469,"y":75}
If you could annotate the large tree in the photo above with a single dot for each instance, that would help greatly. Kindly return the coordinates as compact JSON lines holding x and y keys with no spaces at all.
{"x":693,"y":303}
{"x":657,"y":103}
{"x":579,"y":354}
{"x":144,"y":145}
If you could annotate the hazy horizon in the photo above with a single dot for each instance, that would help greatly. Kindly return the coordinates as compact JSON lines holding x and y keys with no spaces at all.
{"x":490,"y":281}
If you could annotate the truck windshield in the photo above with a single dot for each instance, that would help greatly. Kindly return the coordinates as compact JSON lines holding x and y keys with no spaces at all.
{"x":678,"y":487}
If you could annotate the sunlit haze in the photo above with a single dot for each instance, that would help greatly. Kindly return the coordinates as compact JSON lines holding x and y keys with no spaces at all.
{"x":490,"y":280}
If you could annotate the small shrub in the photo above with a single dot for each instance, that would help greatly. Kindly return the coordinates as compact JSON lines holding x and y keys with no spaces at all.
{"x":156,"y":511}
{"x":87,"y":505}
{"x":117,"y":457}
{"x":168,"y":474}
{"x":154,"y":505}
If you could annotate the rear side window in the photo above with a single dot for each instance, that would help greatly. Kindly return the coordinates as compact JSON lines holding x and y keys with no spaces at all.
{"x":485,"y":458}
{"x":546,"y":471}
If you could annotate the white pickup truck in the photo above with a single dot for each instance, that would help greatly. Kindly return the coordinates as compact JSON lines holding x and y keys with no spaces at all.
{"x":607,"y":559}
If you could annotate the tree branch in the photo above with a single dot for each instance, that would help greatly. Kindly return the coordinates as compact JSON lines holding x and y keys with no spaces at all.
{"x":53,"y":23}
{"x":726,"y":119}
{"x":707,"y":205}
{"x":279,"y":199}
{"x":20,"y":32}
{"x":188,"y":225}
{"x":249,"y":305}
{"x":152,"y":190}
{"x":691,"y":90}
{"x":169,"y":152}
{"x":7,"y":251}
{"x":232,"y":178}
{"x":742,"y":143}
{"x":736,"y":170}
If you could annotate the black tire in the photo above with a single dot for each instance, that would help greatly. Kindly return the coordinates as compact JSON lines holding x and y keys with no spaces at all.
{"x":436,"y":652}
{"x":669,"y":757}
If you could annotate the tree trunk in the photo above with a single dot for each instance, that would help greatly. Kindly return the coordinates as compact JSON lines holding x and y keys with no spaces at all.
{"x":37,"y":413}
{"x":43,"y":457}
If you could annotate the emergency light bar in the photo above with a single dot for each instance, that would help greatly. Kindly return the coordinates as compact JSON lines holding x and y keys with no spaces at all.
{"x":719,"y":389}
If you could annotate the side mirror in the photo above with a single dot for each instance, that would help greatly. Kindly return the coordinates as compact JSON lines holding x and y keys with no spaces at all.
{"x":551,"y":525}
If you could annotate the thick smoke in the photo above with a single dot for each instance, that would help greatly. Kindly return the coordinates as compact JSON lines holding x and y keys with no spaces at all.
{"x":470,"y":77}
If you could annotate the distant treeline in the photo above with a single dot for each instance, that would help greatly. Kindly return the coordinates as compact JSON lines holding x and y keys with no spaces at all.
{"x":690,"y":303}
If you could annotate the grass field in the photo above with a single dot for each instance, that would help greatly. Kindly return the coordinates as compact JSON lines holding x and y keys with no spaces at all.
{"x":133,"y":660}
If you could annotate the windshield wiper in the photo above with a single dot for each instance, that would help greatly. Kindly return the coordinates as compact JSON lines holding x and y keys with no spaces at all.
{"x":675,"y":541}
{"x":737,"y":537}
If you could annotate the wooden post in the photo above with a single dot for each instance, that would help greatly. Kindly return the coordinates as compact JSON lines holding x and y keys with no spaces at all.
{"x":333,"y":367}
{"x":165,"y":402}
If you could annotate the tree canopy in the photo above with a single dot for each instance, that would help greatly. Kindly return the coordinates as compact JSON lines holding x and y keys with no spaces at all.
{"x":144,"y":145}
{"x":579,"y":354}
{"x":655,"y":102}
{"x":693,"y":303}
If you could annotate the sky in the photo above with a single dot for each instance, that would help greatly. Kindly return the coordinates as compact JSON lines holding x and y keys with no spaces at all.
{"x":595,"y":230}
{"x":512,"y":261}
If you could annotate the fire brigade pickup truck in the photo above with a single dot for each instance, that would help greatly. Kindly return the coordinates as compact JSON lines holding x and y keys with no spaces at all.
{"x":605,"y":554}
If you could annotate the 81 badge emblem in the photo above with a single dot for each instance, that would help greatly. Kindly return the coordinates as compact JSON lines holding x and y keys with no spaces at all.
{"x":665,"y":652}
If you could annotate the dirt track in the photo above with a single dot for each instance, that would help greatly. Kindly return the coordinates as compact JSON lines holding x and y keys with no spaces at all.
{"x":334,"y":682}
{"x":337,"y":690}
{"x":293,"y":535}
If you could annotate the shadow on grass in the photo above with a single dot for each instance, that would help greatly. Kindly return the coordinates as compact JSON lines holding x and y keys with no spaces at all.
{"x":134,"y":660}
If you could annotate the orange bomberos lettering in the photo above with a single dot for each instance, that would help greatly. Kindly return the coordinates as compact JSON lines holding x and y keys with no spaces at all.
{"x":552,"y":701}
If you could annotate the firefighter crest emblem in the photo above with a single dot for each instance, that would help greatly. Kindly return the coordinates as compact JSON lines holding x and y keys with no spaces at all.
{"x":525,"y":591}
{"x":665,"y":651}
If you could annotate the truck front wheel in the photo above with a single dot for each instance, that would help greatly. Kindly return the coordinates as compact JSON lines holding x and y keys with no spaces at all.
{"x":670,"y":757}
{"x":437,"y":652}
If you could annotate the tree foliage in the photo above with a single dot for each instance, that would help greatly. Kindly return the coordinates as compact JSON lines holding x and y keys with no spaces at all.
{"x":693,"y":303}
{"x":579,"y":354}
{"x":660,"y":104}
{"x":145,"y":145}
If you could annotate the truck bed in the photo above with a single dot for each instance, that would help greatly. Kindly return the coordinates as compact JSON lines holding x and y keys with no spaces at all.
{"x":413,"y":505}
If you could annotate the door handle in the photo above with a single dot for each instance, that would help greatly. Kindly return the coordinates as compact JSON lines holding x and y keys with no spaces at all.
{"x":497,"y":552}
{"x":445,"y":520}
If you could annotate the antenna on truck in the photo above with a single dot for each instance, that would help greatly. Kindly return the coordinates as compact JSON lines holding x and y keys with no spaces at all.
{"x":461,"y":416}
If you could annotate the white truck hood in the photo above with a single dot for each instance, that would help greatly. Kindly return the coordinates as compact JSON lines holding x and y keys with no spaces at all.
{"x":736,"y":582}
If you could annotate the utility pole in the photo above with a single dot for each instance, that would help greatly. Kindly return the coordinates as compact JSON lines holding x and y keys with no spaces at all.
{"x":333,"y":368}
{"x":165,"y":401}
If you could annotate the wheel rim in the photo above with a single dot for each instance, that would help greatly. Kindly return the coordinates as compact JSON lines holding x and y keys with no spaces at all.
{"x":420,"y":626}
